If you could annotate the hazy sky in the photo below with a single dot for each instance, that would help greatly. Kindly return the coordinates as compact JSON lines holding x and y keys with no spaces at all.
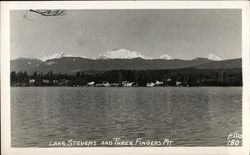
{"x":183,"y":34}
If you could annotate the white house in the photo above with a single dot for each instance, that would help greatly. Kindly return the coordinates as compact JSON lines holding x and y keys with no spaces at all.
{"x":32,"y":81}
{"x":127,"y":84}
{"x":106,"y":84}
{"x":158,"y":83}
{"x":91,"y":83}
{"x":152,"y":84}
{"x":178,"y":83}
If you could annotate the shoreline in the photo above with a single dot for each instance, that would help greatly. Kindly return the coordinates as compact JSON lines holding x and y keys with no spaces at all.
{"x":123,"y":87}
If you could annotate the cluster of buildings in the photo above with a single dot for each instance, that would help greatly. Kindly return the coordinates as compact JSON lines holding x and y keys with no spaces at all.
{"x":65,"y":82}
{"x":62,"y":82}
{"x":107,"y":84}
{"x":124,"y":84}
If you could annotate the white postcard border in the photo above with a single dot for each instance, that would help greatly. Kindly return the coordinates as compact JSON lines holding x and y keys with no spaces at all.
{"x":5,"y":72}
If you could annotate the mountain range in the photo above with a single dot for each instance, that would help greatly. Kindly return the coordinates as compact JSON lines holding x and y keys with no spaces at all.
{"x":121,"y":59}
{"x":122,"y":54}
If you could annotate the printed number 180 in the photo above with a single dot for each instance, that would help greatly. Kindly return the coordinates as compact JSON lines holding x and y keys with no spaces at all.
{"x":233,"y":142}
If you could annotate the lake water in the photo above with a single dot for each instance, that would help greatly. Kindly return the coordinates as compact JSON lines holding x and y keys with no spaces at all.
{"x":194,"y":116}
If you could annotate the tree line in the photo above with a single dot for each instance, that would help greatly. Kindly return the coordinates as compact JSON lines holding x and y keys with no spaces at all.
{"x":187,"y":77}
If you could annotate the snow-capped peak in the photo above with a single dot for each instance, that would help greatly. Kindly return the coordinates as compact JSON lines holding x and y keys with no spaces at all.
{"x":165,"y":57}
{"x":214,"y":57}
{"x":83,"y":57}
{"x":55,"y":56}
{"x":122,"y":54}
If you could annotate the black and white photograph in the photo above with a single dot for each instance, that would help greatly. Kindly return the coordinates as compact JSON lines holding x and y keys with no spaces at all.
{"x":126,"y":77}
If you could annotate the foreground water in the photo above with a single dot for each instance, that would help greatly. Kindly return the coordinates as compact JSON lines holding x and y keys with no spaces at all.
{"x":196,"y":116}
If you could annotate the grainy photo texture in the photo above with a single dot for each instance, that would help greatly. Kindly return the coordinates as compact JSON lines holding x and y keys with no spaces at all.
{"x":126,"y":77}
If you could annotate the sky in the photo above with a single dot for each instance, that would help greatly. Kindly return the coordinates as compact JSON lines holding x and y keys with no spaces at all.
{"x":182,"y":34}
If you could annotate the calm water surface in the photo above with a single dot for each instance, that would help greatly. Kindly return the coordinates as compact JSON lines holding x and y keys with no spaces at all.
{"x":196,"y":116}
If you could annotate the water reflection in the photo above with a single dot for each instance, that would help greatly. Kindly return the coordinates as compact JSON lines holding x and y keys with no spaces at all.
{"x":201,"y":116}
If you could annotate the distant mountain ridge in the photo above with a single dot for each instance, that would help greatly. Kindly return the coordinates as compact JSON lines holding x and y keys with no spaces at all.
{"x":121,"y":54}
{"x":121,"y":59}
{"x":57,"y":56}
{"x":223,"y":64}
{"x":22,"y":64}
{"x":71,"y":65}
